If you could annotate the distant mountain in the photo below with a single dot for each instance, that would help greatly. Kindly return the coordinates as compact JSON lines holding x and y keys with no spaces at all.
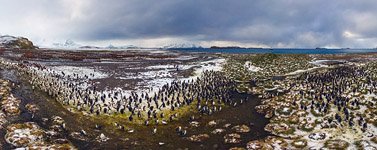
{"x":71,"y":45}
{"x":227,"y":47}
{"x":233,"y":47}
{"x":181,"y":45}
{"x":90,"y":47}
{"x":121,"y":47}
{"x":8,"y":41}
{"x":68,"y":44}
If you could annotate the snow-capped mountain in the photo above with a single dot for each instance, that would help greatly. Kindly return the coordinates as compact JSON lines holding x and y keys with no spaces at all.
{"x":7,"y":41}
{"x":68,"y":44}
{"x":181,"y":45}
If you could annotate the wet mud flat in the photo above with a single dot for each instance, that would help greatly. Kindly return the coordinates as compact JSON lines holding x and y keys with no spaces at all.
{"x":142,"y":137}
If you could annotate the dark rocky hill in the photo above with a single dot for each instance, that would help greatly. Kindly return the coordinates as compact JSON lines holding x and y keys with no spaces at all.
{"x":8,"y":41}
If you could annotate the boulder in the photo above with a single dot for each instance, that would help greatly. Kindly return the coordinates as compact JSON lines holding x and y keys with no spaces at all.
{"x":198,"y":138}
{"x":232,"y":138}
{"x":241,"y":128}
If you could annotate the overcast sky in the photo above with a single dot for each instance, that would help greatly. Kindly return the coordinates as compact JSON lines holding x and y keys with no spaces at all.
{"x":153,"y":23}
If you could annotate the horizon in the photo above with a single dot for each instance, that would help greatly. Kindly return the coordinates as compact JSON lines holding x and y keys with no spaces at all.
{"x":266,"y":24}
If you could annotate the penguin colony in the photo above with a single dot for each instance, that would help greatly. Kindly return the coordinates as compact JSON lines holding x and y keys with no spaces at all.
{"x":208,"y":93}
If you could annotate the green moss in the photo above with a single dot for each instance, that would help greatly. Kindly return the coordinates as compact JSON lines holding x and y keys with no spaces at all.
{"x":293,"y":120}
{"x":318,"y":121}
{"x":307,"y":129}
{"x":336,"y":144}
{"x":374,"y":139}
{"x":290,"y":131}
{"x":319,"y":114}
{"x":280,"y":111}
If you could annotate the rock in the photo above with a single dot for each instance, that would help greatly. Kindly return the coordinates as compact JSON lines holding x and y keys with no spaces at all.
{"x":58,"y":124}
{"x":3,"y":119}
{"x":30,"y":136}
{"x":57,"y":120}
{"x":102,"y":138}
{"x":336,"y":144}
{"x":369,"y":147}
{"x":218,"y":131}
{"x":232,"y":138}
{"x":227,"y":125}
{"x":284,"y":111}
{"x":364,"y":144}
{"x":56,"y":128}
{"x":42,"y":145}
{"x":24,"y":134}
{"x":241,"y":128}
{"x":273,"y":141}
{"x":254,"y":145}
{"x":44,"y":120}
{"x":269,"y":143}
{"x":78,"y":136}
{"x":212,"y":123}
{"x":32,"y":108}
{"x":194,"y":124}
{"x":306,"y":126}
{"x":52,"y":133}
{"x":279,"y":128}
{"x":130,"y":130}
{"x":134,"y":143}
{"x":11,"y":105}
{"x":300,"y":143}
{"x":374,"y":139}
{"x":198,"y":138}
{"x":61,"y":141}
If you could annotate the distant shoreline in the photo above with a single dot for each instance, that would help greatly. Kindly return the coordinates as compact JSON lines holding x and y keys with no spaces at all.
{"x":276,"y":50}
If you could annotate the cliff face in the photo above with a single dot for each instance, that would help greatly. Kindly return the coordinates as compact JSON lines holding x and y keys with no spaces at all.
{"x":7,"y":41}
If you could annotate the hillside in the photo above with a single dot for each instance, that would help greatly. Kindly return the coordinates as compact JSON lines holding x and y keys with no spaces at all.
{"x":8,"y":41}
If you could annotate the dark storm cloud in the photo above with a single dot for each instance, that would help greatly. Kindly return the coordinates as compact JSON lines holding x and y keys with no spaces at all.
{"x":298,"y":23}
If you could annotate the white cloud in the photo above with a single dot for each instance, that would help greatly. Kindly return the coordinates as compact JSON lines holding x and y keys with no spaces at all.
{"x":348,"y":23}
{"x":349,"y":34}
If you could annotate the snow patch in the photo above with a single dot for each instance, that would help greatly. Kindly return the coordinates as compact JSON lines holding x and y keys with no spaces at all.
{"x":81,"y":71}
{"x":249,"y":66}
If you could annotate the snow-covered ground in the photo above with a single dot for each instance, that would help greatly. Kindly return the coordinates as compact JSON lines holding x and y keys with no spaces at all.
{"x":92,"y":73}
{"x":211,"y":65}
{"x":153,"y":78}
{"x":249,"y":66}
{"x":6,"y":39}
{"x":166,"y":76}
{"x":321,"y":63}
{"x":318,"y":63}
